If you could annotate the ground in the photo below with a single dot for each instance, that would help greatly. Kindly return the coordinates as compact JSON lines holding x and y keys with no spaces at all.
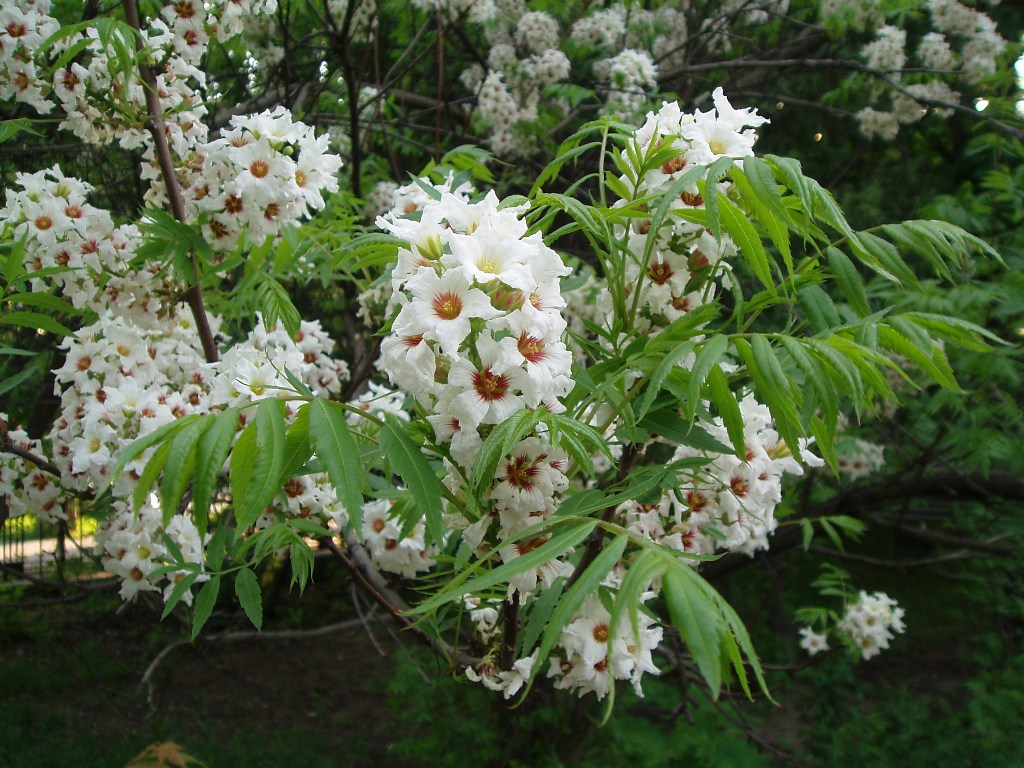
{"x":70,"y":694}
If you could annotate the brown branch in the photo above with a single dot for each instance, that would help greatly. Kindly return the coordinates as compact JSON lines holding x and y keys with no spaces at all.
{"x":594,"y":542}
{"x":508,"y":640}
{"x":155,"y":124}
{"x":865,"y":500}
{"x":357,"y":562}
{"x":10,"y":447}
{"x":848,"y":65}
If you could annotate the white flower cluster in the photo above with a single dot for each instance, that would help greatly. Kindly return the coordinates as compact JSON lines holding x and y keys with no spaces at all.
{"x":631,"y":76}
{"x":661,"y":32}
{"x":24,"y":25}
{"x":730,"y":504}
{"x":593,"y":658}
{"x":391,"y":551}
{"x":964,"y":43}
{"x":871,"y":622}
{"x":132,"y":547}
{"x":266,"y":171}
{"x":887,"y":51}
{"x":77,"y":243}
{"x":121,"y":381}
{"x":262,"y":174}
{"x":686,"y":262}
{"x":857,"y":458}
{"x":476,"y":338}
{"x":982,"y":43}
{"x":24,"y":488}
{"x":524,"y":59}
{"x":869,"y":625}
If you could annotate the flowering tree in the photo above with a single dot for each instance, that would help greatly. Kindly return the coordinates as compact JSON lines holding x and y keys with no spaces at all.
{"x":574,"y":398}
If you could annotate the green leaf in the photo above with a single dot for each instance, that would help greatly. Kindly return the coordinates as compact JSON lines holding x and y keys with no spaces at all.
{"x":773,"y":387}
{"x":759,"y":190}
{"x":149,"y":475}
{"x":540,"y":612}
{"x":183,"y":586}
{"x":710,"y":352}
{"x":657,"y":378}
{"x":211,"y":453}
{"x":297,"y":444}
{"x":247,"y":588}
{"x":243,"y":458}
{"x":586,"y":584}
{"x":136,"y":448}
{"x":36,"y":321}
{"x":339,"y":454}
{"x":821,"y":312}
{"x":849,"y":281}
{"x":743,"y":233}
{"x":42,"y":301}
{"x":725,"y":401}
{"x":669,"y":424}
{"x":502,"y":439}
{"x":699,"y":624}
{"x":465,"y":583}
{"x":425,"y":490}
{"x":180,"y":464}
{"x":267,"y":463}
{"x":205,"y":602}
{"x":276,"y":305}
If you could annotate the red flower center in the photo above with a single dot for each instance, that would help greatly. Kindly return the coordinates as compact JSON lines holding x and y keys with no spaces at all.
{"x":660,"y":273}
{"x":490,"y":386}
{"x":531,"y":348}
{"x":521,"y":473}
{"x":447,"y":305}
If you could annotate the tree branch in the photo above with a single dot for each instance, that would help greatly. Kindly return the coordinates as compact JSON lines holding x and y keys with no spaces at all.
{"x":155,"y":124}
{"x":865,"y":500}
{"x":357,"y":562}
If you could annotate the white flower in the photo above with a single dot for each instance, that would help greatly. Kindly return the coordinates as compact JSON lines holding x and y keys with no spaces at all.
{"x":441,"y":309}
{"x":813,"y":642}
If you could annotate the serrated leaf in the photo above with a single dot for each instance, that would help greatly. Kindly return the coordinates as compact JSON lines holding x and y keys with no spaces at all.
{"x":42,"y":301}
{"x":425,"y":490}
{"x":725,"y":401}
{"x":211,"y":453}
{"x":267,"y":463}
{"x":586,"y":584}
{"x":849,"y":281}
{"x":502,"y":439}
{"x":298,"y":446}
{"x":467,"y":583}
{"x":749,"y":242}
{"x":657,"y":378}
{"x":339,"y":454}
{"x":540,"y":612}
{"x":247,"y":588}
{"x":180,"y":465}
{"x":699,"y":624}
{"x":243,"y":458}
{"x":205,"y":602}
{"x":149,"y":475}
{"x":36,"y":320}
{"x":669,"y":424}
{"x":183,"y":586}
{"x":821,"y":312}
{"x":710,"y":352}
